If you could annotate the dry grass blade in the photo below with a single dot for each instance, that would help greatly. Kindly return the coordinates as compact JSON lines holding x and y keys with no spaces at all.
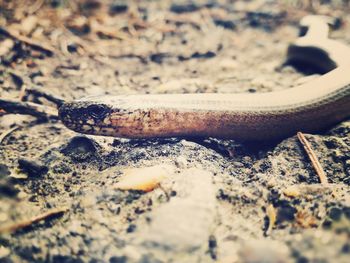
{"x":7,"y":133}
{"x":314,"y":160}
{"x":272,"y":215}
{"x":28,"y":222}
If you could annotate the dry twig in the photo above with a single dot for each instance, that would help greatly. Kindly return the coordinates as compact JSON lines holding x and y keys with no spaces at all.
{"x":7,"y":133}
{"x":315,"y":163}
{"x":29,"y":108}
{"x":35,"y":44}
{"x":28,"y":222}
{"x":38,"y":93}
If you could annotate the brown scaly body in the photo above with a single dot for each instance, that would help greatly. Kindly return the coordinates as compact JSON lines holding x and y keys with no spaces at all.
{"x":311,"y":107}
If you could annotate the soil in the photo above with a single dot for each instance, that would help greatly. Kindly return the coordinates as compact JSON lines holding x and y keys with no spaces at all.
{"x":222,"y":200}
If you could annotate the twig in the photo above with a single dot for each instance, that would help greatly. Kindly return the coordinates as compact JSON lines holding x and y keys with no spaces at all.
{"x":7,"y":133}
{"x":38,"y":93}
{"x":35,"y":44}
{"x":315,"y":163}
{"x":28,"y":222}
{"x":29,"y":108}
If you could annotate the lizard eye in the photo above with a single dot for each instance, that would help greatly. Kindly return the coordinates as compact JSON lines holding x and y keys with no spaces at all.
{"x":97,"y":111}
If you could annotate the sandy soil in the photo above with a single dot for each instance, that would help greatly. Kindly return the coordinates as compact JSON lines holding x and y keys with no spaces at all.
{"x":218,"y":200}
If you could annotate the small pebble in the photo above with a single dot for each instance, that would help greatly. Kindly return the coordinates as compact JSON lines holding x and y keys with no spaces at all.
{"x":143,"y":179}
{"x":4,"y":252}
{"x":80,"y":149}
{"x":291,"y":191}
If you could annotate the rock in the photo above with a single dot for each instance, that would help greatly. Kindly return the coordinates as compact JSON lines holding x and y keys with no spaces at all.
{"x":144,"y":179}
{"x":292,"y":191}
{"x":80,"y":149}
{"x":184,"y":223}
{"x":4,"y":252}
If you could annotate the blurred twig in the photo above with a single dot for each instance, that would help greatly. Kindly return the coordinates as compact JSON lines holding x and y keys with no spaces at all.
{"x":35,"y":44}
{"x":28,"y":222}
{"x":28,"y":108}
{"x":7,"y":133}
{"x":38,"y":93}
{"x":315,"y":163}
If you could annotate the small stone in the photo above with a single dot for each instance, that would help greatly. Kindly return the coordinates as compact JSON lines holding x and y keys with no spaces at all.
{"x":143,"y":179}
{"x":80,"y":149}
{"x":131,"y":228}
{"x":4,"y":252}
{"x":72,"y":48}
{"x":291,"y":191}
{"x":191,"y":211}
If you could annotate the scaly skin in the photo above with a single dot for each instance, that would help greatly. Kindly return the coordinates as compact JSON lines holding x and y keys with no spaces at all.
{"x":311,"y":107}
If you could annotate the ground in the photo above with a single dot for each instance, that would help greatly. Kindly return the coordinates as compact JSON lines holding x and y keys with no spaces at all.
{"x":217,"y":200}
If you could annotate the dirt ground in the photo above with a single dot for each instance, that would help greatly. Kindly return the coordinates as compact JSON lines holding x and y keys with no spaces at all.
{"x":217,"y":200}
